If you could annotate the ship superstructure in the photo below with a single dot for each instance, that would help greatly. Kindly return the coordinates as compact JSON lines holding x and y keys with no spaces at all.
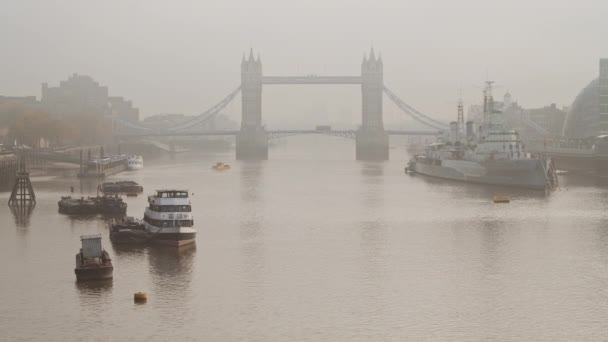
{"x":493,"y":154}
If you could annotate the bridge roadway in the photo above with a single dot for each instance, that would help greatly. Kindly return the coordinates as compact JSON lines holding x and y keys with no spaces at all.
{"x":271,"y":133}
{"x":312,"y":79}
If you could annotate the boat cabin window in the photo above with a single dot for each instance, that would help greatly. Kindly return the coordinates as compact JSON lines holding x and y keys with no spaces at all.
{"x":172,"y":194}
{"x":171,"y":208}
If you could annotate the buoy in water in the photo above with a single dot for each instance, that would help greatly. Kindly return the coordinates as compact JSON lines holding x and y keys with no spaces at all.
{"x":140,"y":297}
{"x":502,"y":199}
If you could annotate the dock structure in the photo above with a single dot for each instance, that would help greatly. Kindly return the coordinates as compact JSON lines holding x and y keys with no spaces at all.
{"x":23,"y":192}
{"x":8,"y":170}
{"x":103,"y":166}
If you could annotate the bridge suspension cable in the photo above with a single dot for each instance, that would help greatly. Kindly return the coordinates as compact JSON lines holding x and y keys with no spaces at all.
{"x":199,"y":119}
{"x":415,"y":114}
{"x":535,"y":126}
{"x":208,"y":114}
{"x":132,"y":125}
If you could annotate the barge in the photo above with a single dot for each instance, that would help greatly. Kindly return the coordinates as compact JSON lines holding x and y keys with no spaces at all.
{"x":127,"y":187}
{"x":92,"y":261}
{"x":129,"y":231}
{"x":106,"y":205}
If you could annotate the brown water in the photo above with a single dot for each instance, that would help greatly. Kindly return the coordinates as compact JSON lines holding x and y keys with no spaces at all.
{"x":314,"y":246}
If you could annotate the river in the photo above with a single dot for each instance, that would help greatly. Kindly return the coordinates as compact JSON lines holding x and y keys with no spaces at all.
{"x":312,"y":245}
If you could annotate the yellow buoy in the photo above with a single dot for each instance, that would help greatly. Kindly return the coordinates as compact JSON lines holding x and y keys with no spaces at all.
{"x":140,"y":297}
{"x":502,"y":199}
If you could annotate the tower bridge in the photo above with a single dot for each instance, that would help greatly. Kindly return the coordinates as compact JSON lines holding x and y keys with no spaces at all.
{"x":371,"y":138}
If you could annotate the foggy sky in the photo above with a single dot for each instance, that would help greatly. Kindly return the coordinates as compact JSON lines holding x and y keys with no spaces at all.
{"x":184,"y":56}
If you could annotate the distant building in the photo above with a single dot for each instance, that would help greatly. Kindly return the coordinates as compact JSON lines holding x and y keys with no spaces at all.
{"x":29,"y":102}
{"x":123,"y":109}
{"x":603,"y":100}
{"x":588,"y":115}
{"x":549,"y":118}
{"x":80,"y":94}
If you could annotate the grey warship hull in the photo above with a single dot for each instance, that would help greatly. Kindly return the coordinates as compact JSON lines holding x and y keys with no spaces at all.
{"x":524,"y":173}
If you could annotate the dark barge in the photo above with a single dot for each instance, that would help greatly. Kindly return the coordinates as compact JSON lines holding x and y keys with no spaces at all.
{"x":126,"y":187}
{"x":129,"y":232}
{"x":106,"y":205}
{"x":93,"y":262}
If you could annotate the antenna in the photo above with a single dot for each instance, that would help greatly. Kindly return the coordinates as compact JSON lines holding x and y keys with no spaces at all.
{"x":490,"y":98}
{"x":460,"y":116}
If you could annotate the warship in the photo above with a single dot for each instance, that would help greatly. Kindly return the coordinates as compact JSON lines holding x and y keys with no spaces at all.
{"x":491,"y":154}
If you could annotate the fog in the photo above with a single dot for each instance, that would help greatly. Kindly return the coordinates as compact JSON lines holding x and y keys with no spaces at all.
{"x":184,"y":56}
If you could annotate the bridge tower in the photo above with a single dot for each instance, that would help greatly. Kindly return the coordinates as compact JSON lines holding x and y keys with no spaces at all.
{"x":371,"y":138}
{"x":252,"y":140}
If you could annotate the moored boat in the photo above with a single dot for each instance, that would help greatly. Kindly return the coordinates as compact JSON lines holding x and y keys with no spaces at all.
{"x":494,"y":155}
{"x":129,"y":231}
{"x":128,"y":187}
{"x":219,"y":166}
{"x":135,"y":162}
{"x":168,"y":218}
{"x":92,"y":261}
{"x":107,"y":205}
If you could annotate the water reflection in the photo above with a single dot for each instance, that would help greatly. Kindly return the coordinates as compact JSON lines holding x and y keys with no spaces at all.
{"x":479,"y":191}
{"x":94,"y":296}
{"x":172,"y":271}
{"x":252,"y":247}
{"x":128,"y":250}
{"x":567,"y":181}
{"x":94,"y":287}
{"x":372,"y":169}
{"x":251,"y":180}
{"x":171,"y":262}
{"x":373,"y":180}
{"x":374,"y":262}
{"x":22,"y":215}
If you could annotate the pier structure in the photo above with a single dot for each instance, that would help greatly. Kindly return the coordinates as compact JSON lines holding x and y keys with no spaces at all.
{"x":8,"y":170}
{"x":23,"y":193}
{"x":102,"y":167}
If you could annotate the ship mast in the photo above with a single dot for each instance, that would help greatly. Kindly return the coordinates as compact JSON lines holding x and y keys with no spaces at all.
{"x":489,"y":96}
{"x":460,"y":119}
{"x":488,"y":105}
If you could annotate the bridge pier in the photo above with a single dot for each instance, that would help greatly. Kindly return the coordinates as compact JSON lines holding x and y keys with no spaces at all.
{"x":371,"y":145}
{"x":252,"y":144}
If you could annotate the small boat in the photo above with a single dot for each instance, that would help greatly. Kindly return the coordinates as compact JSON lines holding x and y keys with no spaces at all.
{"x":219,"y":166}
{"x":107,"y":205}
{"x":93,"y":262}
{"x":502,"y":199}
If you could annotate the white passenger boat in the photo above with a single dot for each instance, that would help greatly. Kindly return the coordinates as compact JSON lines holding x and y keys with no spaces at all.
{"x":135,"y":162}
{"x":168,"y":218}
